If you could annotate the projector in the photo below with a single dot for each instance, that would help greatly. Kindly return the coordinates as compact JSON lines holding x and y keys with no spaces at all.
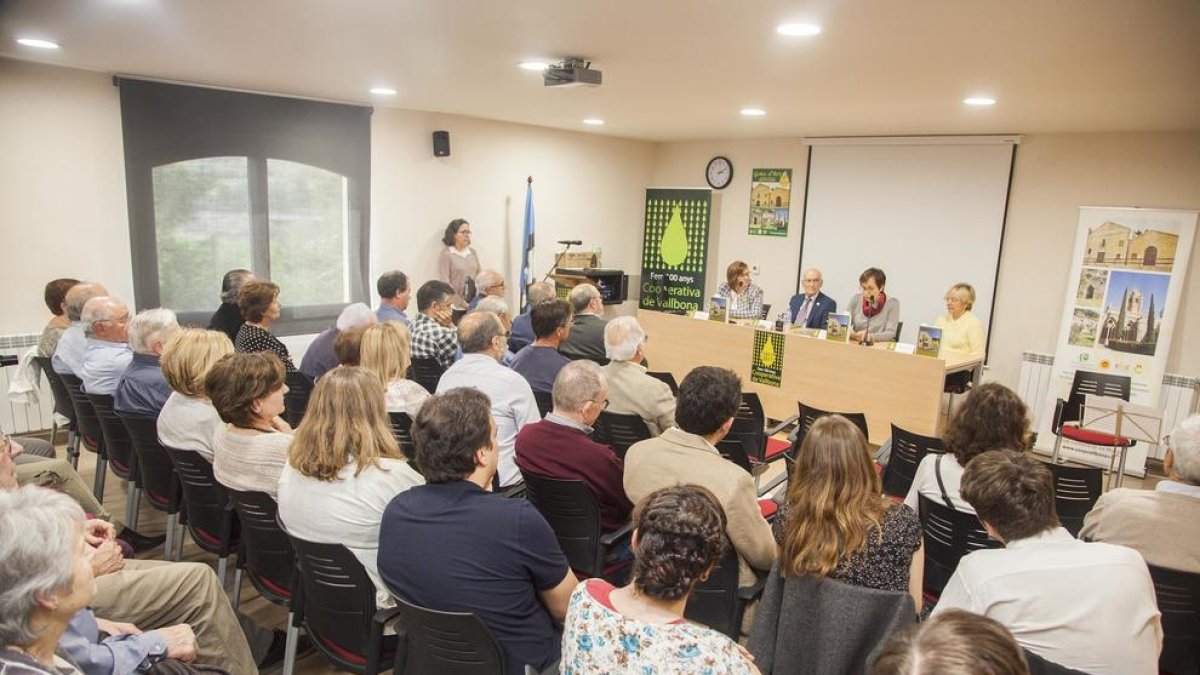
{"x":572,"y":72}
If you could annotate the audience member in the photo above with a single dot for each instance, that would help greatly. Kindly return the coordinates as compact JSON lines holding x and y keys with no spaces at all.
{"x":394,"y":294}
{"x":559,"y":447}
{"x":433,"y":333}
{"x":811,"y":308}
{"x":586,"y":340}
{"x":188,"y":420}
{"x":348,"y":346}
{"x":228,"y":317}
{"x":874,"y":316}
{"x":953,"y":643}
{"x":640,"y":628}
{"x":488,"y":283}
{"x":744,"y":297}
{"x":56,"y":300}
{"x":320,"y":357}
{"x":142,"y":389}
{"x":1160,"y":523}
{"x":512,"y":402}
{"x":836,"y":523}
{"x":458,"y":263}
{"x":497,"y":305}
{"x":630,"y":390}
{"x":250,"y":451}
{"x":385,"y":349}
{"x":451,"y":546}
{"x":522,"y":326}
{"x":687,"y":454}
{"x":993,"y":417}
{"x":1087,"y":606}
{"x":343,"y":468}
{"x":106,"y":324}
{"x":68,"y":355}
{"x":259,"y":302}
{"x":540,"y":362}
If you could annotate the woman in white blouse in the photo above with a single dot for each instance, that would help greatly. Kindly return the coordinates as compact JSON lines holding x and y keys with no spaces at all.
{"x":250,"y":449}
{"x":343,"y":468}
{"x":188,"y":421}
{"x":384,"y":351}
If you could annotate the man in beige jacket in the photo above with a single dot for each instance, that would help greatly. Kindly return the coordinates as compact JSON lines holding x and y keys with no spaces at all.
{"x":630,"y":390}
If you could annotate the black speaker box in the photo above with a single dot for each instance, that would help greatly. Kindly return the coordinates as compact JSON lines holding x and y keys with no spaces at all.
{"x":441,"y":144}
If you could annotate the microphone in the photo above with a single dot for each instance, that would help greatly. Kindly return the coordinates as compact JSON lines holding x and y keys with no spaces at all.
{"x":571,"y":242}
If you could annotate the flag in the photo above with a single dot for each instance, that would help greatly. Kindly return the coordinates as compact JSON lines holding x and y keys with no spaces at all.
{"x":527,"y":243}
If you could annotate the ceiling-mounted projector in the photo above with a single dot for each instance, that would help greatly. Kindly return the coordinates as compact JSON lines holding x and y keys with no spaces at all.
{"x":572,"y":72}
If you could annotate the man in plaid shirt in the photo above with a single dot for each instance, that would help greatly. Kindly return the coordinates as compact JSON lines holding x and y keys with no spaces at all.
{"x":433,"y":332}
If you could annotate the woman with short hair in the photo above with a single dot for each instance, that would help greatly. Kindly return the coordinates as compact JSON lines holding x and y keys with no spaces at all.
{"x":55,"y":296}
{"x":259,"y":303}
{"x":745,"y":299}
{"x":874,"y":315}
{"x":679,"y":538}
{"x":962,"y":331}
{"x":188,"y":420}
{"x":250,"y":449}
{"x":458,"y":262}
{"x":836,"y":523}
{"x":385,"y":354}
{"x":343,"y":468}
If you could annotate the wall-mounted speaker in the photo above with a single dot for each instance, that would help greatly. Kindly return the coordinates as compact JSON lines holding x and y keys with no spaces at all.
{"x":441,"y":144}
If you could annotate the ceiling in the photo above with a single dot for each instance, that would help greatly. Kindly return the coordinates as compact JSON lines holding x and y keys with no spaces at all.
{"x":673,"y":69}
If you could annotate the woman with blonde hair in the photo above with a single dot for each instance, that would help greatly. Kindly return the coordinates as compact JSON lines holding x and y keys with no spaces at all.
{"x":188,"y":420}
{"x":837,"y":523}
{"x":384,"y":351}
{"x":343,"y":468}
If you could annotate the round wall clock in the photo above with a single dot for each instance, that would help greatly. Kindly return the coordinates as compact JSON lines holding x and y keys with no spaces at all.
{"x":719,"y":172}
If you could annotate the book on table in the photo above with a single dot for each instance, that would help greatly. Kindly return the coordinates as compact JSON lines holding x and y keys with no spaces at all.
{"x":929,"y":341}
{"x":718,"y":308}
{"x":837,"y":326}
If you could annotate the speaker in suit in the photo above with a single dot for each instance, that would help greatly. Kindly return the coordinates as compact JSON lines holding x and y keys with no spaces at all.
{"x":820,"y":308}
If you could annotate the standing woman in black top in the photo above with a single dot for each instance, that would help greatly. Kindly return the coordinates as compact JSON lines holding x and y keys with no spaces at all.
{"x":228,"y":317}
{"x":259,"y":302}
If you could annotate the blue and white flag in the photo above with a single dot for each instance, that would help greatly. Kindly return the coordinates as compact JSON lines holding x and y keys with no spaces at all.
{"x":527,"y":243}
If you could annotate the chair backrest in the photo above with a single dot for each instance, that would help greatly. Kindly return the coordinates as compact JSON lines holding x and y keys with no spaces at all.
{"x":668,"y":378}
{"x":1089,"y":382}
{"x":266,"y":551}
{"x":545,"y":402}
{"x":426,"y":371}
{"x":899,"y":330}
{"x":117,"y":446}
{"x":154,"y":465}
{"x":620,"y":431}
{"x":766,"y":311}
{"x":88,"y":425}
{"x":402,"y":430}
{"x":448,"y":643}
{"x":949,"y":535}
{"x":809,"y":415}
{"x":1076,"y":490}
{"x":749,"y":424}
{"x":733,"y":450}
{"x":1178,"y":595}
{"x":295,"y":401}
{"x":574,"y":516}
{"x":715,"y":602}
{"x":210,"y":518}
{"x":908,"y":449}
{"x":62,"y":398}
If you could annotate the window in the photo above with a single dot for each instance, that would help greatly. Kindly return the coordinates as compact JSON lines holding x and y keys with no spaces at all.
{"x":220,"y":180}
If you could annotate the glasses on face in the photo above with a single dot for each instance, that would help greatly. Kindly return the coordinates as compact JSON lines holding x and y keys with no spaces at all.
{"x":119,"y":319}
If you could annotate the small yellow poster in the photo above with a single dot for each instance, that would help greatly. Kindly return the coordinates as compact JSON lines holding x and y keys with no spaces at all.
{"x":766,"y":364}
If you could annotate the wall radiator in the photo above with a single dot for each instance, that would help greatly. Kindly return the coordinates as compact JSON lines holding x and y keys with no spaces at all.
{"x":1179,"y":398}
{"x":23,"y":419}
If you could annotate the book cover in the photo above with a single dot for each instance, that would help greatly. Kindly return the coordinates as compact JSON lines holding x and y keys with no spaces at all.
{"x":718,"y":308}
{"x":929,"y":341}
{"x":837,"y":326}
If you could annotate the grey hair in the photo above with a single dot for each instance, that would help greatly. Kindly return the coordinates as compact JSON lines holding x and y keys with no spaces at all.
{"x":622,"y":337}
{"x":98,"y":308}
{"x":486,"y":279}
{"x":540,"y":292}
{"x":40,"y":531}
{"x":476,"y":331}
{"x":581,"y":296}
{"x":492,"y":304}
{"x":1185,"y":446}
{"x":355,"y":314}
{"x":150,"y":326}
{"x":577,"y":383}
{"x":79,"y":295}
{"x":232,"y":284}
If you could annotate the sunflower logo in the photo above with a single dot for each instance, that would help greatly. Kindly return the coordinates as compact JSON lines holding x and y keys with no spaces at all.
{"x":1105,"y":363}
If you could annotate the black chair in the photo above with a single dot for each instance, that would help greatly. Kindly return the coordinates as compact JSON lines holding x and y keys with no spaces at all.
{"x":1076,"y":490}
{"x":949,"y":535}
{"x":908,"y":449}
{"x":750,"y":427}
{"x":295,"y":401}
{"x":899,"y":330}
{"x":574,"y":516}
{"x":720,"y":601}
{"x":766,"y":311}
{"x":1178,"y":595}
{"x":208,"y":513}
{"x":619,"y":431}
{"x":62,"y":406}
{"x":119,"y":450}
{"x":402,"y":430}
{"x":1071,"y":410}
{"x":88,"y":427}
{"x":668,"y":378}
{"x":545,"y":402}
{"x":732,"y":450}
{"x":426,"y":371}
{"x":447,"y":643}
{"x":160,"y":483}
{"x":334,"y":600}
{"x":809,"y":414}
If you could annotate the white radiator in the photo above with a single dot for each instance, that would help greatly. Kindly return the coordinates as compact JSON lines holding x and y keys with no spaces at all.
{"x":1179,"y":398}
{"x":22,"y":419}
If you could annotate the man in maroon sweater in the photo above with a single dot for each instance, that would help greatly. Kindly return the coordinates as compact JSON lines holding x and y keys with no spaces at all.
{"x":558,"y":446}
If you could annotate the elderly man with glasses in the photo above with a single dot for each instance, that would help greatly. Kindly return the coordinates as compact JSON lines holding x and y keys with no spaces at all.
{"x":105,"y":322}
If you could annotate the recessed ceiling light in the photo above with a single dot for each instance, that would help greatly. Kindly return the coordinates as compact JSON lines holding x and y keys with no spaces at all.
{"x":40,"y":44}
{"x":753,"y":112}
{"x":979,"y":100}
{"x":594,"y":121}
{"x":797,"y":29}
{"x":534,"y":65}
{"x":383,"y":91}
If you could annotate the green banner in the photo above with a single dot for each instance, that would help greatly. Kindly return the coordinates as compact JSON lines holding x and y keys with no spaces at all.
{"x":770,"y":201}
{"x":766,"y":362}
{"x":674,"y":249}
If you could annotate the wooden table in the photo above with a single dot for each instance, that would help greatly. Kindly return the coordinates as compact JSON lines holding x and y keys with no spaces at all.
{"x":889,"y":387}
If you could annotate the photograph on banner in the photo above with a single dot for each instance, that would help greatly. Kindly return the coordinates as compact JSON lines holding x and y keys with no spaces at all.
{"x":766,"y":361}
{"x":675,"y":249}
{"x":770,"y":201}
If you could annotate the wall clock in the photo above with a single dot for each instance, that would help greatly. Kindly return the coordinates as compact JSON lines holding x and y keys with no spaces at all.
{"x":719,"y":172}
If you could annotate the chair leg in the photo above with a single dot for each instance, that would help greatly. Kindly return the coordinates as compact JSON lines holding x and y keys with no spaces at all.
{"x":222,"y":564}
{"x":182,"y":532}
{"x":132,"y":501}
{"x":1057,"y":446}
{"x":73,"y":449}
{"x":101,"y":474}
{"x":290,"y":646}
{"x":169,"y":544}
{"x":236,"y":598}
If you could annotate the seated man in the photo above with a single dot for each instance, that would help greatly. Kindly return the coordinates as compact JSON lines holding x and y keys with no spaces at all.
{"x":142,"y":389}
{"x":586,"y":340}
{"x":540,"y":362}
{"x":1160,"y":523}
{"x":522,"y":328}
{"x":559,"y":447}
{"x":394,"y":294}
{"x":512,"y":402}
{"x":452,"y":547}
{"x":106,"y":324}
{"x":489,"y":283}
{"x":68,"y":355}
{"x":320,"y":357}
{"x":630,"y":390}
{"x":497,"y":305}
{"x":1085,"y":606}
{"x":433,"y":332}
{"x":812,"y":307}
{"x":687,"y":454}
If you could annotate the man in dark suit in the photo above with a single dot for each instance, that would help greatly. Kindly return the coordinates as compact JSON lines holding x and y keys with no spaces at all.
{"x":586,"y":339}
{"x":812,"y":307}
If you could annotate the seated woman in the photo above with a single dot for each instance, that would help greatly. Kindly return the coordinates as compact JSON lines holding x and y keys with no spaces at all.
{"x":679,"y":537}
{"x":55,"y":296}
{"x":385,"y":354}
{"x":259,"y":302}
{"x":962,"y":332}
{"x":836,"y":522}
{"x":745,"y":299}
{"x":873,"y":315}
{"x":188,"y":420}
{"x":250,"y":450}
{"x":347,"y":347}
{"x":343,"y":468}
{"x":955,"y":641}
{"x":992,"y":418}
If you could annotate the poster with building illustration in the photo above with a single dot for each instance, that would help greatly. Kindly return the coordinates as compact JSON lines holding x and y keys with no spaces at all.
{"x":770,"y":201}
{"x":675,"y":249}
{"x":1123,"y":298}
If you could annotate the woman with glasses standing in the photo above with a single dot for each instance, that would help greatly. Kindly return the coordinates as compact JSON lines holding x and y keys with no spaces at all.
{"x":458,"y":263}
